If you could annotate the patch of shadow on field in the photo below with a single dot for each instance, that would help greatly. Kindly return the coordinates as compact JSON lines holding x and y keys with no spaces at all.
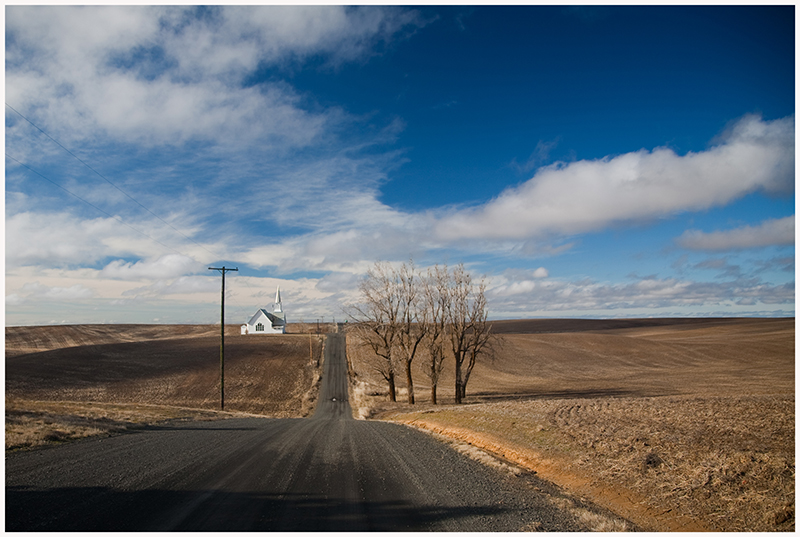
{"x":87,"y":509}
{"x":559,"y":394}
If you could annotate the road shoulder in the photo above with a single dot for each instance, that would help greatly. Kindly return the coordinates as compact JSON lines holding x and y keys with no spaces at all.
{"x":623,"y":502}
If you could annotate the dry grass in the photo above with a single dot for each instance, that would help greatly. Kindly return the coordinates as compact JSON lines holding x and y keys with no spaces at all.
{"x":32,"y":424}
{"x":686,"y":425}
{"x":593,"y":519}
{"x":727,"y":461}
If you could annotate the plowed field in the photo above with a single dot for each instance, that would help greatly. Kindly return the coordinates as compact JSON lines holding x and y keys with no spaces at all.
{"x":162,"y":365}
{"x":677,"y":424}
{"x":674,"y":423}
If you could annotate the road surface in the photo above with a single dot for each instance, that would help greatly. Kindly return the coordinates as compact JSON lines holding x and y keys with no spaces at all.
{"x":326,"y":473}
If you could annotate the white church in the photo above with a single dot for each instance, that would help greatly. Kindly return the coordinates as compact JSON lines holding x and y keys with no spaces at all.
{"x":264,"y":322}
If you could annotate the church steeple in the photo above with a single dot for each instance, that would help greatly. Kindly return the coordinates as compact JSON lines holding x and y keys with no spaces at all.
{"x":278,"y":306}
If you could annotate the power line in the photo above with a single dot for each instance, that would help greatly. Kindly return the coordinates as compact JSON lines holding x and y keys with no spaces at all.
{"x":109,"y":181}
{"x":117,"y":218}
{"x":59,"y":144}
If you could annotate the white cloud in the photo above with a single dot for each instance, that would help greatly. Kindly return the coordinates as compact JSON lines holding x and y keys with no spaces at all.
{"x":168,"y":266}
{"x":56,"y":238}
{"x":541,"y":272}
{"x":167,"y":75}
{"x":340,"y":283}
{"x":35,"y":291}
{"x":514,"y":288}
{"x":590,"y":195}
{"x":774,"y":232}
{"x":154,"y":76}
{"x":519,"y":282}
{"x":286,"y":32}
{"x":184,"y":285}
{"x":538,"y":157}
{"x":59,"y":238}
{"x":511,"y":298}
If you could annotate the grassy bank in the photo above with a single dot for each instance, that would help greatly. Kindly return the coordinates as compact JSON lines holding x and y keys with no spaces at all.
{"x":666,"y":463}
{"x":31,"y":424}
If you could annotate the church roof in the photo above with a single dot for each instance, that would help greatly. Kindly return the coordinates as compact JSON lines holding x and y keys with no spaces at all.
{"x":277,"y":319}
{"x":255,"y":317}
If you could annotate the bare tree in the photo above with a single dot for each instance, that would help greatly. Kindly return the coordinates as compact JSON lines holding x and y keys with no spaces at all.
{"x":377,"y":318}
{"x":412,"y":320}
{"x":434,"y":290}
{"x":443,"y":313}
{"x":479,"y":336}
{"x":468,"y":331}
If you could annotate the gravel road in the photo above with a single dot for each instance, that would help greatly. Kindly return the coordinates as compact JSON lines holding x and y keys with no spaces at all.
{"x":326,"y":473}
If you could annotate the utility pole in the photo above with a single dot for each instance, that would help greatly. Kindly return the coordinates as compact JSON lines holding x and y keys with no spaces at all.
{"x":223,"y":270}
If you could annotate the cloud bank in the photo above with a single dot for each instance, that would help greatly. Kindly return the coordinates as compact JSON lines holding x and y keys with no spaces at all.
{"x":582,"y":196}
{"x":168,"y":75}
{"x":773,"y":232}
{"x":523,"y":298}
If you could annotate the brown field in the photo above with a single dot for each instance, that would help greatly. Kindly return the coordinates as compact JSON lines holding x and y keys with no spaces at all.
{"x":676,"y":424}
{"x":157,"y":371}
{"x":30,"y":339}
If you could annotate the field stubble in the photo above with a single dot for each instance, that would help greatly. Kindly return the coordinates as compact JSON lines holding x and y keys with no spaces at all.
{"x":684,"y":426}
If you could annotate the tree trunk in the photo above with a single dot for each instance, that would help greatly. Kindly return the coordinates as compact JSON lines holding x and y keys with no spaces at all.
{"x":434,"y":376}
{"x":458,"y":383}
{"x":410,"y":383}
{"x":392,"y":393}
{"x":465,"y":379}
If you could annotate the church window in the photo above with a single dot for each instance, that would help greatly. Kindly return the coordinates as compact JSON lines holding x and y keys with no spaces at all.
{"x":259,"y":327}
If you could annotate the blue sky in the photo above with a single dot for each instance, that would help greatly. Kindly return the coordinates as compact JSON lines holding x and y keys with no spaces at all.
{"x":600,"y":161}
